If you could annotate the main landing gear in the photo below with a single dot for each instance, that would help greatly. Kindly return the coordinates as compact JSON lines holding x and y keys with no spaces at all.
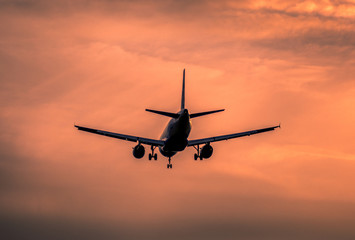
{"x":169,"y":164}
{"x":197,"y":155}
{"x":152,"y":155}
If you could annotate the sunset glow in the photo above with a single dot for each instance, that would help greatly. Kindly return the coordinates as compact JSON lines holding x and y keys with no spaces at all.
{"x":101,"y":63}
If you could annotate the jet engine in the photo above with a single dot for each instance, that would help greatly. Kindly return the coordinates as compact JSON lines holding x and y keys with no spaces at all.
{"x":138,"y":151}
{"x":206,"y":151}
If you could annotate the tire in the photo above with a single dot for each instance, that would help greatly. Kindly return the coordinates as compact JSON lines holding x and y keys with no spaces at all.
{"x":155,"y":156}
{"x":195,"y":156}
{"x":150,"y":157}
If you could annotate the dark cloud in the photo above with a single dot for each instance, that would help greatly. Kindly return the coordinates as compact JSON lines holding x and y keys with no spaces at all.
{"x":299,"y":227}
{"x":334,"y":50}
{"x":28,"y":227}
{"x":301,"y":14}
{"x":316,"y":38}
{"x":136,"y":8}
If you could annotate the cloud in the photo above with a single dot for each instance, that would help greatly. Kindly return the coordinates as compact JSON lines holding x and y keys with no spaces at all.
{"x":314,"y":41}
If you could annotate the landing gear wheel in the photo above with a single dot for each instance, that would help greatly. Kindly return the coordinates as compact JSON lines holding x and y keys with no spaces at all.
{"x":197,"y":155}
{"x":169,"y":164}
{"x":152,"y":155}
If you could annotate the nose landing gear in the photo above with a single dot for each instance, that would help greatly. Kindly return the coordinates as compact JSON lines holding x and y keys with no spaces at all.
{"x":169,"y":165}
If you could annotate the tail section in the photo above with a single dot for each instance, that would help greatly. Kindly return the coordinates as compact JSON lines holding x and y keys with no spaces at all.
{"x":176,"y":115}
{"x":183,"y":91}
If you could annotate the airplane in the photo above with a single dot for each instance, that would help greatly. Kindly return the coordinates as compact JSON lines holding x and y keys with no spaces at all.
{"x":174,"y":138}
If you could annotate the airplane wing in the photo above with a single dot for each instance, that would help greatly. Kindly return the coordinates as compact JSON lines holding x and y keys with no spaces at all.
{"x":229,"y":136}
{"x":147,"y":141}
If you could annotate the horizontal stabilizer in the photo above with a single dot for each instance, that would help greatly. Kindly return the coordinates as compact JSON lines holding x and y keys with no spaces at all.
{"x":193,"y":115}
{"x":168,"y":114}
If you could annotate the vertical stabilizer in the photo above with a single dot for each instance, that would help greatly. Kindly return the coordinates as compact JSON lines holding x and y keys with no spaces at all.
{"x":183,"y":91}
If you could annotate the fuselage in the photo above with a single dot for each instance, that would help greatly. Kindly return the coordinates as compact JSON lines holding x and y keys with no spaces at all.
{"x":175,"y":134}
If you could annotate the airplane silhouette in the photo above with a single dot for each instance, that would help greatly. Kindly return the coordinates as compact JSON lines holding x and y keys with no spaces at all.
{"x":175,"y":136}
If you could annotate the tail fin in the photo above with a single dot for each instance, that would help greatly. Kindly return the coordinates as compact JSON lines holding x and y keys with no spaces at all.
{"x":183,"y":91}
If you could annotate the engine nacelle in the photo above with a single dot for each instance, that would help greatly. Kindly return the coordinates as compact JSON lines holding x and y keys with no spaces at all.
{"x":206,"y":151}
{"x":138,"y":151}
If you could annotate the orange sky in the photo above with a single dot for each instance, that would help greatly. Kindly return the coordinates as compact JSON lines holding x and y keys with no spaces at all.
{"x":101,"y":63}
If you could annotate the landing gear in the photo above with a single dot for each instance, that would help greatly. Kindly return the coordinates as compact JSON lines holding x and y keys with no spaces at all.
{"x":197,"y":155}
{"x":152,"y":155}
{"x":169,"y":165}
